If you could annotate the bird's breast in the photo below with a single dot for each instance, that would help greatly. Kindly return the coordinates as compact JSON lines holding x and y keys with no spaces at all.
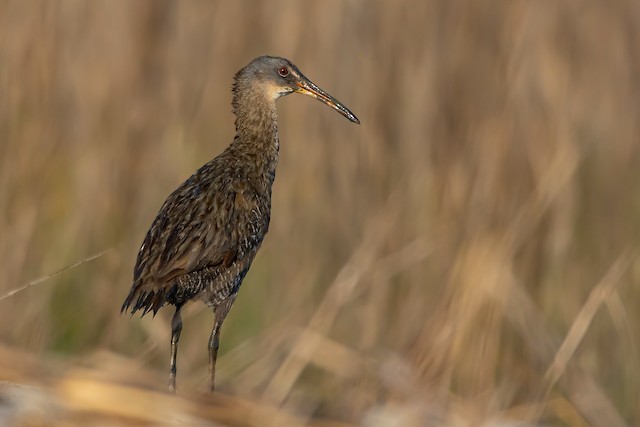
{"x":252,"y":206}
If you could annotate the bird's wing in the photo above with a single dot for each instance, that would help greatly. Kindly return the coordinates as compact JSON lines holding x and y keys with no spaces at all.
{"x":197,"y":228}
{"x":188,"y":234}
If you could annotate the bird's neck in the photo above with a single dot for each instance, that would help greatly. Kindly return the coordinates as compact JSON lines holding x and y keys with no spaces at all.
{"x":257,"y":130}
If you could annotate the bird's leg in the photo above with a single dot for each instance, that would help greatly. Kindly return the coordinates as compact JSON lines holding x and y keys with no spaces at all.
{"x":214,"y":341}
{"x":176,"y":328}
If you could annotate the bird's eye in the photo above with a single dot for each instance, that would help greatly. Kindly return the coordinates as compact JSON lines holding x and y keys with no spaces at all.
{"x":283,"y":71}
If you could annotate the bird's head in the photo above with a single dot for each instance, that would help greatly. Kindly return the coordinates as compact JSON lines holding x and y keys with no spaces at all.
{"x":277,"y":77}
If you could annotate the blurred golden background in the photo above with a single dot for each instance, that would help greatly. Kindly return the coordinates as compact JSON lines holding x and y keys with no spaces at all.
{"x":467,"y":256}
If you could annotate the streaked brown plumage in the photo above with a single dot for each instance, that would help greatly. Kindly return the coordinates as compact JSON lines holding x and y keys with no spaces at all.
{"x":203,"y":240}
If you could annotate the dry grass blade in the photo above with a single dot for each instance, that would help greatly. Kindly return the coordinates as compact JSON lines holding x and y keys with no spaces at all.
{"x":54,"y":274}
{"x":629,"y":343}
{"x":584,"y":393}
{"x":599,"y":295}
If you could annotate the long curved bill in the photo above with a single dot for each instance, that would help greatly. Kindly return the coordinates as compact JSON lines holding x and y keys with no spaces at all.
{"x":306,"y":87}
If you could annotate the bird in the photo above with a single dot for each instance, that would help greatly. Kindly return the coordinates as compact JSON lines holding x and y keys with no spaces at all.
{"x":207,"y":233}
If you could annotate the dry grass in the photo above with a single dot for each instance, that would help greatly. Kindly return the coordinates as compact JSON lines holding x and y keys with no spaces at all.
{"x":467,"y":256}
